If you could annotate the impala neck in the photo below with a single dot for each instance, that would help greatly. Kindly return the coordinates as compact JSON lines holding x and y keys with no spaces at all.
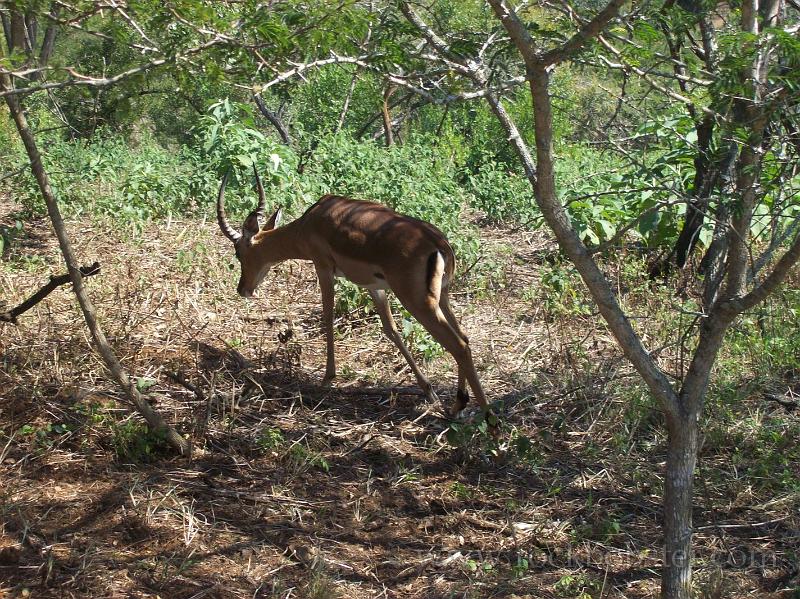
{"x":283,"y":243}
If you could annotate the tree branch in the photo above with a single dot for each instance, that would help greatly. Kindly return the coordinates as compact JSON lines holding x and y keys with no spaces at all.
{"x":53,"y":284}
{"x":77,"y":79}
{"x":775,"y":278}
{"x":273,"y":118}
{"x":590,"y":30}
{"x":516,"y":30}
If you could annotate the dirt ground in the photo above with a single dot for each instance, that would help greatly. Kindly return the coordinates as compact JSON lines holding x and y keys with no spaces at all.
{"x":297,"y":490}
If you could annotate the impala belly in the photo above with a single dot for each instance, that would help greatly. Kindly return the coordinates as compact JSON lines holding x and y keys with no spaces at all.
{"x":361,"y":273}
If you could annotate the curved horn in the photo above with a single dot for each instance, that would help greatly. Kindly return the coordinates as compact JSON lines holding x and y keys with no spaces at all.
{"x":229,"y":231}
{"x":262,"y":201}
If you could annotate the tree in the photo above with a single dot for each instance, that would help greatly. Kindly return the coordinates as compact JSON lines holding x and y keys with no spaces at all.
{"x":23,"y":38}
{"x":756,"y":91}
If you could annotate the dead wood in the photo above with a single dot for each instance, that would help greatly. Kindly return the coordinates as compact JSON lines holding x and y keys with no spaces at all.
{"x":52,"y":285}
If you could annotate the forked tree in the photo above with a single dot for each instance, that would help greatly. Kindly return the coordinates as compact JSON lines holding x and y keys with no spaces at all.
{"x":754,"y":93}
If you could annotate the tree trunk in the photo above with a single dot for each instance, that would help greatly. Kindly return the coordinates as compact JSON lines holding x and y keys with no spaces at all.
{"x":153,"y":418}
{"x":676,"y":576}
{"x":347,"y":98}
{"x":49,"y":41}
{"x":387,"y":117}
{"x":274,"y":119}
{"x":704,"y":182}
{"x":18,"y":32}
{"x":6,"y":30}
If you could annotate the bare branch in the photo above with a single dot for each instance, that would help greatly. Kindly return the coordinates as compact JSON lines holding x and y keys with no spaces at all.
{"x":645,"y":76}
{"x":77,"y":79}
{"x":585,"y":34}
{"x":782,"y":269}
{"x":516,"y":30}
{"x":55,"y":282}
{"x":272,"y":118}
{"x":299,"y":68}
{"x":524,"y":42}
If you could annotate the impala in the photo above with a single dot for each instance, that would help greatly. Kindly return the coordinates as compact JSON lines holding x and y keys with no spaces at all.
{"x":375,"y":248}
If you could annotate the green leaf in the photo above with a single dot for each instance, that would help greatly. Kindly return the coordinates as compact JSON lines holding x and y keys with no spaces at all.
{"x":607,"y":228}
{"x":143,"y":384}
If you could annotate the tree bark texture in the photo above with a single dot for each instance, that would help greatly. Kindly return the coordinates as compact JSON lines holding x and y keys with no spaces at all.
{"x":676,"y":574}
{"x":387,"y":117}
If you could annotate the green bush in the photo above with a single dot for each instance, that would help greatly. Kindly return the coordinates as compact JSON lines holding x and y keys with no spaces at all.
{"x":502,"y":194}
{"x":108,"y":176}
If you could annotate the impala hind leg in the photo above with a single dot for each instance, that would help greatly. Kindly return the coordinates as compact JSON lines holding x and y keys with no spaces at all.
{"x":444,"y":305}
{"x":433,"y":318}
{"x":390,"y":329}
{"x":462,"y":395}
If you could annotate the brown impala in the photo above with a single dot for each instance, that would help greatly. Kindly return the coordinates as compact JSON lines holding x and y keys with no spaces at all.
{"x":374,"y":247}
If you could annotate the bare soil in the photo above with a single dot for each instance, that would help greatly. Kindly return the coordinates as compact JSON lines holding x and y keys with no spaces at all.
{"x":298,"y":490}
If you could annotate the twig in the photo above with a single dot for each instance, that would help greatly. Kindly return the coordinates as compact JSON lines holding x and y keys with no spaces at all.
{"x":13,"y":173}
{"x":11,"y":315}
{"x":182,"y":381}
{"x":789,"y":405}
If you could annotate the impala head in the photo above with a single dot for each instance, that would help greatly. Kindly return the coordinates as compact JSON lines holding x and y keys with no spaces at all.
{"x":254,"y":266}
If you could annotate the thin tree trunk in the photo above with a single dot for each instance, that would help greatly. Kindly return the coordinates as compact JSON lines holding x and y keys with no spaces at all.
{"x":712,"y":264}
{"x":676,"y":575}
{"x":154,"y":420}
{"x":346,"y":104}
{"x":558,"y":220}
{"x":49,"y":41}
{"x":441,"y":123}
{"x":31,"y":33}
{"x":6,"y":29}
{"x":704,"y":182}
{"x":387,"y":117}
{"x":379,"y":115}
{"x":273,"y":118}
{"x":18,"y":32}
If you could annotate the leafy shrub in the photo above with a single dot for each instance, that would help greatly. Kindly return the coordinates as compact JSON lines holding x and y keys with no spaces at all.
{"x":502,"y":194}
{"x":134,"y":442}
{"x":316,"y":106}
{"x":107,"y":176}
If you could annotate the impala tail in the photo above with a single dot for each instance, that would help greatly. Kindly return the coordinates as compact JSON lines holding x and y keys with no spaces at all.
{"x":435,"y":275}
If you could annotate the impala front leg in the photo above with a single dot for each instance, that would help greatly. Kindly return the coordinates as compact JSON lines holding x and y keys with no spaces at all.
{"x":390,"y":329}
{"x":325,"y":277}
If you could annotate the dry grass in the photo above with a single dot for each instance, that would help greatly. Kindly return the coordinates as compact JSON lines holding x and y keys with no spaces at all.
{"x":302,"y":491}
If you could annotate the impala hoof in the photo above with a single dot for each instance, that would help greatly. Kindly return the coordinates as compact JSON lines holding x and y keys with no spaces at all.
{"x":462,"y":399}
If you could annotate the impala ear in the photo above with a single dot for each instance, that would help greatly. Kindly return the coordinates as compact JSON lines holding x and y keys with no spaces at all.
{"x":274,"y":220}
{"x":250,"y":226}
